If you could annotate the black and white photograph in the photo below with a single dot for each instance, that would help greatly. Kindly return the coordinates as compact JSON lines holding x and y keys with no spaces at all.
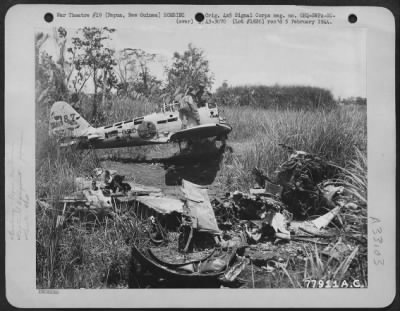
{"x":224,"y":148}
{"x":200,"y":159}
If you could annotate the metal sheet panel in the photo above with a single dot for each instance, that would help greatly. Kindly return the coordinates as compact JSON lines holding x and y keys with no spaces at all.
{"x":163,"y":205}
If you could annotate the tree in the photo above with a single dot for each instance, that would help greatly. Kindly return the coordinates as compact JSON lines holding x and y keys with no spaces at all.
{"x":97,"y":59}
{"x":133,"y":72}
{"x":80,"y":73}
{"x":42,"y":87}
{"x":60,"y":36}
{"x":125,"y":69}
{"x":40,"y":39}
{"x":189,"y":69}
{"x":143,"y":58}
{"x":53,"y":74}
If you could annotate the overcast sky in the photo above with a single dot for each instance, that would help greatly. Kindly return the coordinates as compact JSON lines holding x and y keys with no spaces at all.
{"x":299,"y":55}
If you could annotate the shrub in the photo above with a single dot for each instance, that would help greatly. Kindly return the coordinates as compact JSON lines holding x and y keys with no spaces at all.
{"x":282,"y":97}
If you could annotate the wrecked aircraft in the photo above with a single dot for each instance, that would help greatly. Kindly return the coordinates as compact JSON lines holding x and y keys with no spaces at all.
{"x":192,"y":241}
{"x":156,"y":128}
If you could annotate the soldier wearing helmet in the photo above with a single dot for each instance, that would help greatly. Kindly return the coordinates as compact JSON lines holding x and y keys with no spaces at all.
{"x":202,"y":96}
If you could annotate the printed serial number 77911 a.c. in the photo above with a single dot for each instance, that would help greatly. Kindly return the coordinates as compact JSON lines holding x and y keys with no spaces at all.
{"x":310,"y":283}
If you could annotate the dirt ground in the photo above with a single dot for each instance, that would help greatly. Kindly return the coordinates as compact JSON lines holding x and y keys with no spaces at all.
{"x":152,"y":175}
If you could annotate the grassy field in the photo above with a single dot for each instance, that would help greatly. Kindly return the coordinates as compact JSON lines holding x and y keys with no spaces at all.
{"x":338,"y":135}
{"x":97,"y":256}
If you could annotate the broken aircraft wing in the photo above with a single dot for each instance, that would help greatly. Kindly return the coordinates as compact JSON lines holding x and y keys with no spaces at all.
{"x":162,"y":205}
{"x":202,"y":131}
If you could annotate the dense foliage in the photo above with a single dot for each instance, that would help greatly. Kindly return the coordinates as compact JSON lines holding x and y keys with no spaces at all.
{"x":262,"y":96}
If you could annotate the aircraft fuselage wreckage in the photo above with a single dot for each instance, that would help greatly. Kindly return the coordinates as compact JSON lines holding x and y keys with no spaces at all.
{"x":156,"y":128}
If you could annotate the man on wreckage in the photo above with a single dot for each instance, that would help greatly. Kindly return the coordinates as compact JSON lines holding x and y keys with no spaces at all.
{"x":195,"y":97}
{"x":188,"y":108}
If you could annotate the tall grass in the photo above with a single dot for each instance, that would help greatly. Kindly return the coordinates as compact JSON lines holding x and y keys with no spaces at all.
{"x":116,"y":109}
{"x":336,"y":135}
{"x":60,"y":251}
{"x":79,"y":252}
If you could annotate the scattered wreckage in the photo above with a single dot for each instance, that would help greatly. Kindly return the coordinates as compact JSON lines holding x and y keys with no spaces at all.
{"x":197,"y":241}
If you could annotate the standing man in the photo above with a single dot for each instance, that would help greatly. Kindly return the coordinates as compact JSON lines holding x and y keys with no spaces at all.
{"x":201,"y":95}
{"x":188,"y":109}
{"x":204,"y":97}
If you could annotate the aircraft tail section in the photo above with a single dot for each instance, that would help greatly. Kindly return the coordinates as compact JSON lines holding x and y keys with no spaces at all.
{"x":65,"y":121}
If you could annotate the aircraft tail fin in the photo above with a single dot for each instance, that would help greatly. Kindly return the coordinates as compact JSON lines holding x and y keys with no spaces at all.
{"x":65,"y":121}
